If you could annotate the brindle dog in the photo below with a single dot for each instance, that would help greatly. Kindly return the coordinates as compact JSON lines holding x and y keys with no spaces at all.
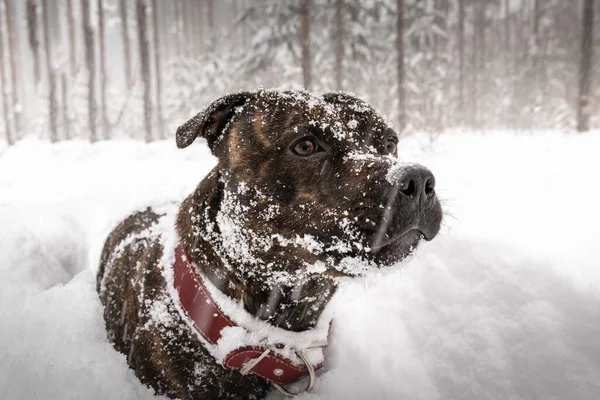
{"x":308,"y":188}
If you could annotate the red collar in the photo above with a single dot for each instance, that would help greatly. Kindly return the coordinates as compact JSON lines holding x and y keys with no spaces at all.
{"x":209,"y":320}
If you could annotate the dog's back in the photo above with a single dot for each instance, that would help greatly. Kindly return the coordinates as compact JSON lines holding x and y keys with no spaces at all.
{"x":143,"y":323}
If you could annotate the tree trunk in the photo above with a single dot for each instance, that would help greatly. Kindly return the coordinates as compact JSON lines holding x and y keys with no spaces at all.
{"x":244,"y":25}
{"x":196,"y":27}
{"x":339,"y":44}
{"x":441,"y":61}
{"x":235,"y":27}
{"x":481,"y":64}
{"x":210,"y":15}
{"x":52,"y":101}
{"x":4,"y":82}
{"x":145,"y":64}
{"x":90,"y":61}
{"x":157,"y":69}
{"x":400,"y":65}
{"x":15,"y":64}
{"x":461,"y":60}
{"x":34,"y":40}
{"x":65,"y":107}
{"x":179,"y":33}
{"x":305,"y":43}
{"x":584,"y":108}
{"x":103,"y":78}
{"x":508,"y":75}
{"x":72,"y":39}
{"x":537,"y":56}
{"x":507,"y":30}
{"x":185,"y":29}
{"x":474,"y":66}
{"x":126,"y":43}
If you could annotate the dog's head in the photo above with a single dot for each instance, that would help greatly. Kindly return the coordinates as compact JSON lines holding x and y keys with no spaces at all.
{"x":306,"y":181}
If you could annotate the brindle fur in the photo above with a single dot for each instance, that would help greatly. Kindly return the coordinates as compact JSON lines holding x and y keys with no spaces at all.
{"x":251,"y":133}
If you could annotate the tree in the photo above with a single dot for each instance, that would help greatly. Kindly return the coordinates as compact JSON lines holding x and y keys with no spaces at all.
{"x":180,"y":32}
{"x":584,"y":108}
{"x":477,"y":62}
{"x":52,"y":96}
{"x":34,"y":41}
{"x":339,"y":43}
{"x":65,"y":107}
{"x":195,"y":21}
{"x":157,"y":69}
{"x":537,"y":56}
{"x":90,"y":61}
{"x":506,"y":31}
{"x":72,"y":38}
{"x":126,"y":43}
{"x":142,"y":23}
{"x":400,"y":64}
{"x":4,"y":82}
{"x":15,"y":67}
{"x":210,"y":17}
{"x":461,"y":60}
{"x":103,"y":77}
{"x":305,"y":43}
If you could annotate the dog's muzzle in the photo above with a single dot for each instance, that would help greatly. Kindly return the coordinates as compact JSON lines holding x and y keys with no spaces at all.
{"x":412,"y":208}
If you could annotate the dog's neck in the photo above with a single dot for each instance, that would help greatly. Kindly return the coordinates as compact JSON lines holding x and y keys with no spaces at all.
{"x":294,"y":306}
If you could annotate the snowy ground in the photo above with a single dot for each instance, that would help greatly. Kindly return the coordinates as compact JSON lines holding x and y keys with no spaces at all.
{"x":504,"y":304}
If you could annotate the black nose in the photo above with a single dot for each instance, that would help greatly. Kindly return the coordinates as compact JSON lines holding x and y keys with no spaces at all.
{"x":416,"y":183}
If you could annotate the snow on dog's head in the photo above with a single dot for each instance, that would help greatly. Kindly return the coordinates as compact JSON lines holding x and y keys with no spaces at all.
{"x":306,"y":184}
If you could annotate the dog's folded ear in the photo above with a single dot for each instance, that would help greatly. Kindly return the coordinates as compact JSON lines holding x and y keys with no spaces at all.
{"x":211,"y":122}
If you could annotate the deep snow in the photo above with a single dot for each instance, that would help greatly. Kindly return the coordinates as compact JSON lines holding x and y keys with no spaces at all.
{"x":504,"y":304}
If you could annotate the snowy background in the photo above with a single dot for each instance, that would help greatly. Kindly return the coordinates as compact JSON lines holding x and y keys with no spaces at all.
{"x":504,"y":304}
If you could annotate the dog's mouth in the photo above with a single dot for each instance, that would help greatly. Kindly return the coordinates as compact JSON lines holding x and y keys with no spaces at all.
{"x":384,"y":253}
{"x":404,"y":241}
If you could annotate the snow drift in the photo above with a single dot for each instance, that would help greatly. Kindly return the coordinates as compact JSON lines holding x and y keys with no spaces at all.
{"x":504,"y":304}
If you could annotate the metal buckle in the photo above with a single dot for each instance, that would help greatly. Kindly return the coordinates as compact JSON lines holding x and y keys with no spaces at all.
{"x":311,"y":371}
{"x":311,"y":378}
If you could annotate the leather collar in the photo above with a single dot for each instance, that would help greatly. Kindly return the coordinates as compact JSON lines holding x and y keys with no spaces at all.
{"x":209,"y":320}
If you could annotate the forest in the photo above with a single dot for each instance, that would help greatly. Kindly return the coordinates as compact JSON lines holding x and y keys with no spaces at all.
{"x":102,"y":69}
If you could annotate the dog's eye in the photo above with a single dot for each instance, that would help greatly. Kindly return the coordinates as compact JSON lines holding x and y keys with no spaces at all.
{"x":390,"y":146}
{"x":305,"y":147}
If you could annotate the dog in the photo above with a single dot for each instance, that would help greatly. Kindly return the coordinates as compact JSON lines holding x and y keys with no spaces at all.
{"x":225,"y":295}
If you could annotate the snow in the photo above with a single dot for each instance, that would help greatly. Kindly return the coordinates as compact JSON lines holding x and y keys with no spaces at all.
{"x":503,"y":304}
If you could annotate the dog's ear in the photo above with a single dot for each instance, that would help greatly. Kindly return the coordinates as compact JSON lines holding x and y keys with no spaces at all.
{"x":211,"y":122}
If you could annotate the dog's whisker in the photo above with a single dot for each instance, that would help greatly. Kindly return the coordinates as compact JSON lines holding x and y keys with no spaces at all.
{"x":386,"y":219}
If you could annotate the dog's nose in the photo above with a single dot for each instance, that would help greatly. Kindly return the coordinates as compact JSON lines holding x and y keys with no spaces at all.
{"x":417,"y":183}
